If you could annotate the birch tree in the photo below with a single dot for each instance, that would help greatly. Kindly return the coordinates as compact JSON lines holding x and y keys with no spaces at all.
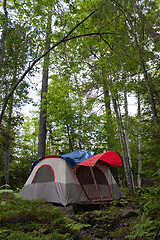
{"x":127,"y":137}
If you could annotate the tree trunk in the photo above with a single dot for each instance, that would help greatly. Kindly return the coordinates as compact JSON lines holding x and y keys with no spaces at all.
{"x":145,"y":74}
{"x":139,"y":144}
{"x":2,"y":50}
{"x":43,"y":112}
{"x":6,"y":163}
{"x":126,"y":135}
{"x":43,"y":107}
{"x":109,"y":127}
{"x":125,"y":160}
{"x":2,"y":47}
{"x":7,"y":145}
{"x":70,"y":138}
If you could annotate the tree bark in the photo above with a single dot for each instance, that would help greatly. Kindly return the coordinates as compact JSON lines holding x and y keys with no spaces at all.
{"x":43,"y":112}
{"x":126,"y":136}
{"x":139,"y":144}
{"x":109,"y":127}
{"x":70,"y":138}
{"x":4,"y":32}
{"x":125,"y":160}
{"x":43,"y":107}
{"x":152,"y":102}
{"x":7,"y":145}
{"x":2,"y":46}
{"x":6,"y":163}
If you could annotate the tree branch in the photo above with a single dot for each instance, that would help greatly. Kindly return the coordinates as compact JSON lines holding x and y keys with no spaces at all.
{"x":64,"y":39}
{"x":109,"y":45}
{"x":37,"y":60}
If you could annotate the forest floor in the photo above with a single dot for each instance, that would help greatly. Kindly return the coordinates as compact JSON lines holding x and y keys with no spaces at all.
{"x":129,"y":218}
{"x":120,"y":219}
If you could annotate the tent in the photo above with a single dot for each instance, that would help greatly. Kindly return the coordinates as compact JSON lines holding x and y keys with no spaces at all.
{"x":67,"y":181}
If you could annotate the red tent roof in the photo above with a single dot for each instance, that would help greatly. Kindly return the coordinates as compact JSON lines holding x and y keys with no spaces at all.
{"x":110,"y":158}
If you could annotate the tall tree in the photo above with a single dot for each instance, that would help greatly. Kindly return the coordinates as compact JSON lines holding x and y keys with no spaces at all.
{"x":139,"y":182}
{"x":7,"y":144}
{"x":138,"y":17}
{"x":43,"y":107}
{"x":63,"y":39}
{"x":14,"y":61}
{"x":126,"y":137}
{"x":4,"y":32}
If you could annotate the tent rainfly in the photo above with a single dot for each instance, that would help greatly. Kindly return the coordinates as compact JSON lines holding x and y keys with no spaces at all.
{"x":76,"y":177}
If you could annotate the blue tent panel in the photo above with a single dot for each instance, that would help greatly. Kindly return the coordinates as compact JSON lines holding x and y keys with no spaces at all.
{"x":77,"y":156}
{"x":72,"y":158}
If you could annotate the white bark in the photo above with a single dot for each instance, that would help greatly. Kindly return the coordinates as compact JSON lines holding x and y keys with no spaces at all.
{"x":125,"y":160}
{"x":126,"y":135}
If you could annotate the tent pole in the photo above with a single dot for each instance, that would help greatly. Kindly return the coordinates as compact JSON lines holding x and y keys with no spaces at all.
{"x":95,"y":182}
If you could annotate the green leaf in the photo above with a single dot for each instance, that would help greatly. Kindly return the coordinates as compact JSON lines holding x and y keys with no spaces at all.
{"x":6,"y":191}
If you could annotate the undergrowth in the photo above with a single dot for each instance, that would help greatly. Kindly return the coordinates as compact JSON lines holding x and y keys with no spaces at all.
{"x":148,"y":201}
{"x":32,"y":220}
{"x":136,"y":217}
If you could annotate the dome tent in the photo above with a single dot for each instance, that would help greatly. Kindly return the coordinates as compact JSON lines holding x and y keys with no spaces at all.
{"x":74,"y":180}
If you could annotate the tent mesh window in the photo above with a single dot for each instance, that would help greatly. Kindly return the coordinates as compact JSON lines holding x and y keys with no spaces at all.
{"x":84,"y":175}
{"x":44,"y":174}
{"x":99,"y":175}
{"x":86,"y":180}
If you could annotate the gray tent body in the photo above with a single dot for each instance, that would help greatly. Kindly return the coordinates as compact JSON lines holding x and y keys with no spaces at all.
{"x":54,"y":180}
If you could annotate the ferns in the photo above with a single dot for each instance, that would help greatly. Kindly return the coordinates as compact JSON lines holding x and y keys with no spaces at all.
{"x":143,"y":228}
{"x":70,"y":223}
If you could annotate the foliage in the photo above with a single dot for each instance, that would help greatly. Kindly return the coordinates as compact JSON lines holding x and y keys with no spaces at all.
{"x":34,"y":220}
{"x":5,"y":189}
{"x":142,"y":229}
{"x":24,"y":154}
{"x":74,"y":225}
{"x":149,"y":210}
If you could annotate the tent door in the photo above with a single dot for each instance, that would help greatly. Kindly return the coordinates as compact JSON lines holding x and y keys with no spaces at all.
{"x":94,"y":183}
